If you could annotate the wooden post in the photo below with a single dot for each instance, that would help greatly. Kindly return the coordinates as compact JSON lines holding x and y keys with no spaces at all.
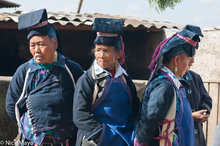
{"x":212,"y":122}
{"x":79,"y":6}
{"x":205,"y":125}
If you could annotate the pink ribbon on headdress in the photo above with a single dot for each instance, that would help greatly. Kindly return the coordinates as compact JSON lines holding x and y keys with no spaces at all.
{"x":40,"y":24}
{"x":188,"y":40}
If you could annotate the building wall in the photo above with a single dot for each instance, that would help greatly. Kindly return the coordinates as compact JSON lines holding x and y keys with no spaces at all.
{"x":77,"y":44}
{"x":208,"y":56}
{"x":11,"y":41}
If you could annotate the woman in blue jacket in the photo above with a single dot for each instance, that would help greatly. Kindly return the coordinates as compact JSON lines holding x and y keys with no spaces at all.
{"x":105,"y":100}
{"x":40,"y":94}
{"x":165,"y":116}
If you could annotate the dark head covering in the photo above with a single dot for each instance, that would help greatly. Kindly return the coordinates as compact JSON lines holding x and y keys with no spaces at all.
{"x":36,"y":23}
{"x":184,"y":41}
{"x":109,"y":33}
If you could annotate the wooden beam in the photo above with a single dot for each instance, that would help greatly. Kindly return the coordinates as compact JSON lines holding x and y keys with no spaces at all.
{"x":79,"y":6}
{"x":8,"y":25}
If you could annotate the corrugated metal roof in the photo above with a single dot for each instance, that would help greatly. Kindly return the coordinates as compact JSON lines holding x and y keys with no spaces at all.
{"x":217,"y":28}
{"x":7,"y":4}
{"x":75,"y":19}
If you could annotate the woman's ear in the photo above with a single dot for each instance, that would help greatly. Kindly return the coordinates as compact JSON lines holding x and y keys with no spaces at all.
{"x":120,"y":52}
{"x":176,"y":60}
{"x":55,"y":43}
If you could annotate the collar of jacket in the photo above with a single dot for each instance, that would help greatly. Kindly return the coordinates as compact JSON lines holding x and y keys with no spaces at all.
{"x":98,"y":71}
{"x":35,"y":66}
{"x":186,"y":78}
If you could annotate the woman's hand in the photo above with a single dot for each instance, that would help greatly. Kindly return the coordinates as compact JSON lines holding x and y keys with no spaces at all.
{"x":95,"y":138}
{"x":200,"y":116}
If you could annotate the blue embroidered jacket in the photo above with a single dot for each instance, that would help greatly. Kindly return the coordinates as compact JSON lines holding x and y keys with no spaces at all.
{"x":51,"y":102}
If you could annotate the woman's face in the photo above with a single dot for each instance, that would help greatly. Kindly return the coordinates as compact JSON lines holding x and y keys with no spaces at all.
{"x":182,"y":63}
{"x":106,"y":56}
{"x":42,"y":48}
{"x":192,"y":59}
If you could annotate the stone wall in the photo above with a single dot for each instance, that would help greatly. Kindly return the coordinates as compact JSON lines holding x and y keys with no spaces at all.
{"x":8,"y":128}
{"x":207,"y":61}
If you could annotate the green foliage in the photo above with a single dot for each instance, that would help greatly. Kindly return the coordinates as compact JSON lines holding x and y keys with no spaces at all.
{"x":161,"y":5}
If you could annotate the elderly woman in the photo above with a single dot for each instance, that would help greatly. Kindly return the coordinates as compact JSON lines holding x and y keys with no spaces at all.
{"x":40,"y":94}
{"x":105,"y":101}
{"x":165,"y":116}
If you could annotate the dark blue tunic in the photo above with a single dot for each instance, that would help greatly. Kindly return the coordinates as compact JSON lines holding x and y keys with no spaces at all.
{"x":88,"y":119}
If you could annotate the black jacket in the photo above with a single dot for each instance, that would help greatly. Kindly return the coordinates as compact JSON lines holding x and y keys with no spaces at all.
{"x":156,"y":102}
{"x":199,"y":99}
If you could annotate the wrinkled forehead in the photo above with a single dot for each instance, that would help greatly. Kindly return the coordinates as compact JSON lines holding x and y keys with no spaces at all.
{"x":104,"y":46}
{"x":40,"y":38}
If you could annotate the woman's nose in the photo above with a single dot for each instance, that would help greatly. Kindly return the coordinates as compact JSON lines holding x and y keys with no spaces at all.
{"x":102,"y":54}
{"x":37,"y":48}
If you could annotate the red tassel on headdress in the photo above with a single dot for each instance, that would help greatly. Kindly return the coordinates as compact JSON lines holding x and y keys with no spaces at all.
{"x":122,"y":58}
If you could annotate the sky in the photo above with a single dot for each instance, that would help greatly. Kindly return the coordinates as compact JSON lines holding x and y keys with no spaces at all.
{"x":203,"y":13}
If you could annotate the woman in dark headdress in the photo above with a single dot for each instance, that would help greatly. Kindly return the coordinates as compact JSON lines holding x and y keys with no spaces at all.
{"x":40,"y":94}
{"x":165,"y":116}
{"x":106,"y":103}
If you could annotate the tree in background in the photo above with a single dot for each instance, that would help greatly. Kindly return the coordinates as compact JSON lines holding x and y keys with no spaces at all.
{"x":161,"y":5}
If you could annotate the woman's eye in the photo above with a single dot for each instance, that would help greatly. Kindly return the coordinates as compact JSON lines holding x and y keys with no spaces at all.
{"x":41,"y":44}
{"x":32,"y":45}
{"x":97,"y":50}
{"x":106,"y":51}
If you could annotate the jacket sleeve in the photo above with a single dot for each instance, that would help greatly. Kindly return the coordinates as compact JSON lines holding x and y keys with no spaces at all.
{"x":206,"y":100}
{"x":75,"y":69}
{"x":14,"y":91}
{"x":135,"y":98}
{"x":155,"y":105}
{"x":82,"y":115}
